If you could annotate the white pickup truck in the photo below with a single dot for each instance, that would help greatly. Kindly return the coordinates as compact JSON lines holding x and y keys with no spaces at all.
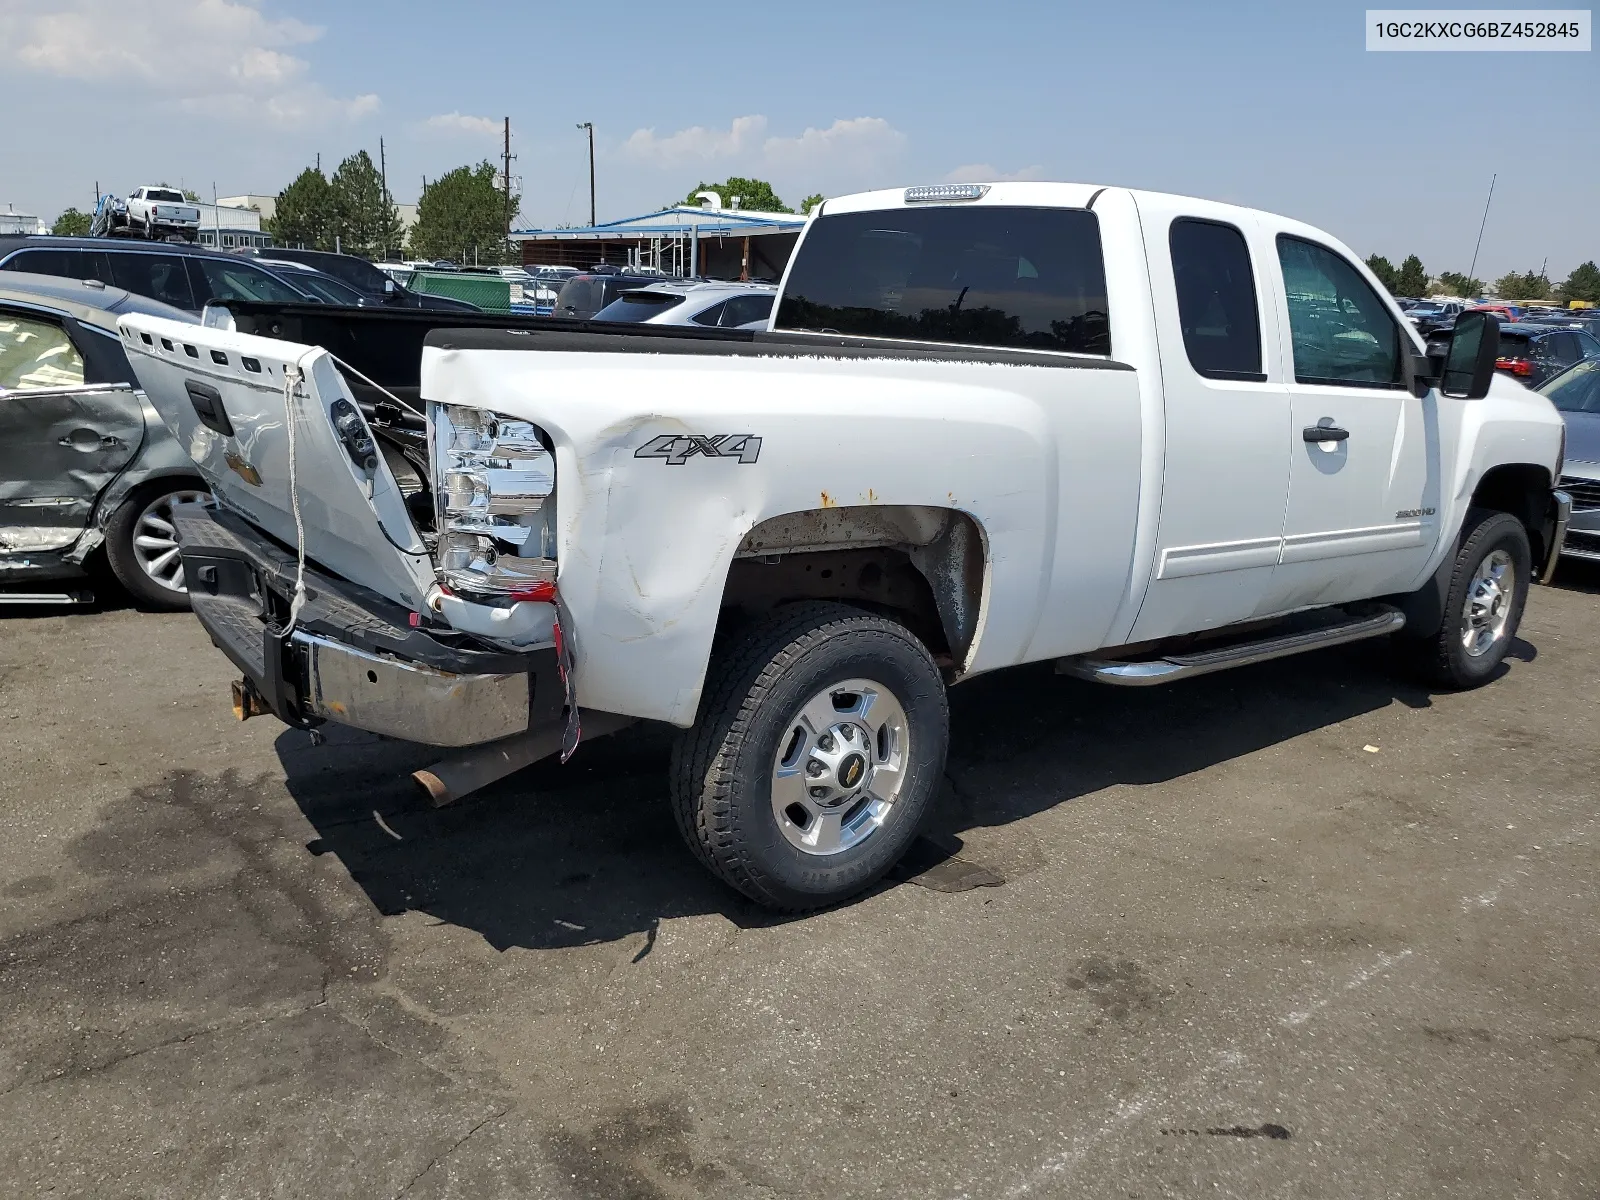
{"x":161,"y":213}
{"x":1142,"y":436}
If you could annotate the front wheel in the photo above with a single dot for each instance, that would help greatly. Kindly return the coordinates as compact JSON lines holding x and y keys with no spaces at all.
{"x":1483,"y":604}
{"x":819,"y":747}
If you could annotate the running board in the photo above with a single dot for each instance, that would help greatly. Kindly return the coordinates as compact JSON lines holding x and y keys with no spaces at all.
{"x":1148,"y":672}
{"x":76,"y":597}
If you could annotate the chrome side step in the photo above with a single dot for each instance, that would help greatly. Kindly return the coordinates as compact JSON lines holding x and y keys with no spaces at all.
{"x":76,"y":597}
{"x":1148,"y":672}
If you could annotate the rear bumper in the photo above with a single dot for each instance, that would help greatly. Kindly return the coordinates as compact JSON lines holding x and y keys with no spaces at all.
{"x":353,"y":657}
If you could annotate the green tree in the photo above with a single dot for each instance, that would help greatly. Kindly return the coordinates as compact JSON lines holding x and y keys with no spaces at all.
{"x":754,"y":194}
{"x":811,"y":201}
{"x":1582,"y":284}
{"x":73,"y":223}
{"x":1526,"y":286}
{"x":462,"y":216}
{"x":1384,"y":270}
{"x":367,"y":222}
{"x":305,"y":216}
{"x":1456,"y":284}
{"x":1411,"y":280}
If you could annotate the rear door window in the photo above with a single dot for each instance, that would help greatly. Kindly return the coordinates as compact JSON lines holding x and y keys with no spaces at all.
{"x":741,"y":310}
{"x":1216,"y":299}
{"x":159,"y":276}
{"x":1032,"y":278}
{"x":1342,"y":333}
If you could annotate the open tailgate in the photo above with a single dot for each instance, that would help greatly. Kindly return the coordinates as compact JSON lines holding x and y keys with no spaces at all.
{"x":223,"y":395}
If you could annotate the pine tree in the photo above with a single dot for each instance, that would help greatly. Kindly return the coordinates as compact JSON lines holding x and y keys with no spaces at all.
{"x":462,"y":216}
{"x":1582,"y":284}
{"x":1411,"y":280}
{"x":1384,"y":270}
{"x":368,"y":224}
{"x":304,"y":217}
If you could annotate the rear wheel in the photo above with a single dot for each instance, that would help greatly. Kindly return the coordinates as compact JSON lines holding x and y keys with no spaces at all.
{"x":819,"y":747}
{"x":142,"y":544}
{"x":1483,"y":604}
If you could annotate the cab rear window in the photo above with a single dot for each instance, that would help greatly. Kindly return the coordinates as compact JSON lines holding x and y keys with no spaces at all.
{"x":1032,"y":278}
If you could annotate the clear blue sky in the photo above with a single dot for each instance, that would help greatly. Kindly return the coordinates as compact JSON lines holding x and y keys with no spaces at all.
{"x":1276,"y":106}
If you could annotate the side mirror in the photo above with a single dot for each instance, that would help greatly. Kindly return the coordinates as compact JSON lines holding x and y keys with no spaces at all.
{"x":1469,"y":365}
{"x":388,"y":287}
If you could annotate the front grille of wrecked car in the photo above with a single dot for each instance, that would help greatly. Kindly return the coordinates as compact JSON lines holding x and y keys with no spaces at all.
{"x":1585,"y":493}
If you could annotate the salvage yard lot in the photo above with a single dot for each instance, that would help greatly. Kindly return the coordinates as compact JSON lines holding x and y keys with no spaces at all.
{"x":1295,"y":930}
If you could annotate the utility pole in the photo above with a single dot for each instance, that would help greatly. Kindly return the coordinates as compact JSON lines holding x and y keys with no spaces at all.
{"x":1471,"y":271}
{"x":388,"y":208}
{"x":508,"y":157}
{"x":589,"y":125}
{"x":216,"y":217}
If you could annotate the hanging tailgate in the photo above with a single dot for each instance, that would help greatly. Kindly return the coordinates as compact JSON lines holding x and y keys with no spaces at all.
{"x":222,"y":394}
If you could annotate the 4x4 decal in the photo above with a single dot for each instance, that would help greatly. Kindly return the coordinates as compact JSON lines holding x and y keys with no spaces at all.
{"x":679,"y":448}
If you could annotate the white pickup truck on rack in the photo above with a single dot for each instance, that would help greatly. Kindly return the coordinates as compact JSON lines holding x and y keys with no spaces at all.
{"x":1142,"y":436}
{"x":160,"y":213}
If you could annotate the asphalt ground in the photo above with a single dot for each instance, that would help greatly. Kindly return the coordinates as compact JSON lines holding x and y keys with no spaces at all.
{"x":1300,"y":930}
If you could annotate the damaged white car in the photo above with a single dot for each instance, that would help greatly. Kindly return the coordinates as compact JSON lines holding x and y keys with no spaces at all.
{"x":1142,"y":436}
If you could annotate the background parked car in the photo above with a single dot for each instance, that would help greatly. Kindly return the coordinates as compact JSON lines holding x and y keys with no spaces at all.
{"x":1535,"y":353}
{"x":718,"y":305}
{"x":184,"y":276}
{"x":85,"y":462}
{"x":1429,"y":316}
{"x":586,"y":293}
{"x":377,"y":285}
{"x":1576,"y":395}
{"x":327,"y":288}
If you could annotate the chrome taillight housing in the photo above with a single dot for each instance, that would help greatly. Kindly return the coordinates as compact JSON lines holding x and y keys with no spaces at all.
{"x":494,"y":486}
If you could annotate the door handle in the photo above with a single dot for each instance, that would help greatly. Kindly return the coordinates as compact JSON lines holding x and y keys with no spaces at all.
{"x":84,"y":440}
{"x":1324,"y":433}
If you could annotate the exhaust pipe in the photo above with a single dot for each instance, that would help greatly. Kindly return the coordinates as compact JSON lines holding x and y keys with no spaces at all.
{"x":454,"y":778}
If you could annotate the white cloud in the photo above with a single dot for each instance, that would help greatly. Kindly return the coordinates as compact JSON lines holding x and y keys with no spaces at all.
{"x":217,"y":57}
{"x":851,"y":153}
{"x":988,"y":173}
{"x":697,"y":144}
{"x":457,"y":122}
{"x":858,"y":141}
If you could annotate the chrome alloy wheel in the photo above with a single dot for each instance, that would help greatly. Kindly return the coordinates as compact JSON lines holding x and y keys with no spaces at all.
{"x":841,"y":764}
{"x":1489,"y":600}
{"x":155,"y":539}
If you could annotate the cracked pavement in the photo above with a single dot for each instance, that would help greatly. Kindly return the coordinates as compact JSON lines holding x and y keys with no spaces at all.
{"x":1302,"y":930}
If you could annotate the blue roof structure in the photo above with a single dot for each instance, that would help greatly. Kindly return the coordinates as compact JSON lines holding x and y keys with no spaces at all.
{"x":679,"y":221}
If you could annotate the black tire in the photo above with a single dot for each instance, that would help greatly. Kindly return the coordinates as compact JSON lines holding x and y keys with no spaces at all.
{"x":1444,"y":658}
{"x":120,"y":552}
{"x":722,"y":768}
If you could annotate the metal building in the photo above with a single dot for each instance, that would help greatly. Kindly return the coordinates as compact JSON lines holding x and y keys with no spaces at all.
{"x":720,"y":243}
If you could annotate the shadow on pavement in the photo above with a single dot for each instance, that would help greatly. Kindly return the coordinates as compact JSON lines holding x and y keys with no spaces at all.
{"x":562,"y":856}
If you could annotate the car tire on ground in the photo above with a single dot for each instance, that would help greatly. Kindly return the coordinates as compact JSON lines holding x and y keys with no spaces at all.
{"x":816,"y":757}
{"x":142,"y":546}
{"x":1483,"y":603}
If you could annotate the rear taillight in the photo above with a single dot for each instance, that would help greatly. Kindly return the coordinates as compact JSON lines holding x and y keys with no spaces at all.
{"x":1517,"y":366}
{"x":494,"y":497}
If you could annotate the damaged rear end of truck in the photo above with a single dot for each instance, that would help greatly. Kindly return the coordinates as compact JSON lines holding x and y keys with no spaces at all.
{"x":362,"y":564}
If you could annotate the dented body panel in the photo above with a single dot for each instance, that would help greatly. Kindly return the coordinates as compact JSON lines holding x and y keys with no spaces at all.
{"x":646,"y":543}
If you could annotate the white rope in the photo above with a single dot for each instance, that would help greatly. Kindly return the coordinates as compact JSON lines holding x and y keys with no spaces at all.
{"x":292,"y":375}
